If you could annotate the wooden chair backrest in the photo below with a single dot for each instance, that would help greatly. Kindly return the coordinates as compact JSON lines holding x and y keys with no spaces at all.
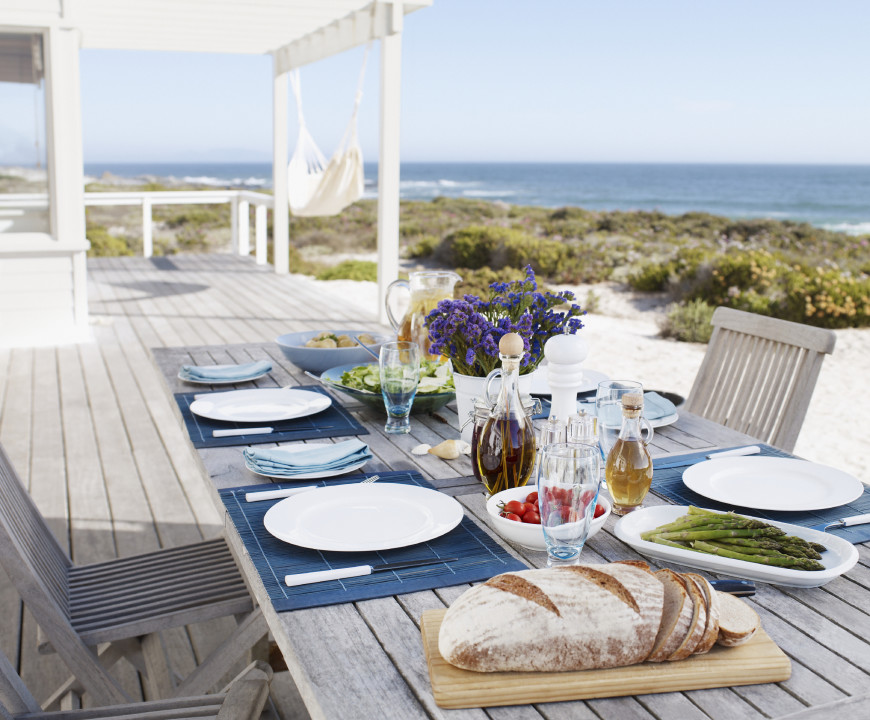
{"x":28,"y":534}
{"x":39,"y":569}
{"x":758,"y":375}
{"x":15,"y":698}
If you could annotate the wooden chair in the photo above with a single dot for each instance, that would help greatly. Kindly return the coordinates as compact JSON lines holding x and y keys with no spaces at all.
{"x":121,"y":604}
{"x":242,"y":699}
{"x":758,"y":375}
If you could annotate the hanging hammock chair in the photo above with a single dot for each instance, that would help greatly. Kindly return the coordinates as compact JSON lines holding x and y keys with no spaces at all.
{"x":318,"y":188}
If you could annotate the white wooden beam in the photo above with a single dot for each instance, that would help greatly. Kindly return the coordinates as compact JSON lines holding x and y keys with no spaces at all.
{"x":388,"y":158}
{"x":280,"y":219}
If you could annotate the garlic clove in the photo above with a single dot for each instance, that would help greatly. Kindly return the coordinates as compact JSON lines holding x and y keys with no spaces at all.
{"x":421,"y":449}
{"x":447,"y":450}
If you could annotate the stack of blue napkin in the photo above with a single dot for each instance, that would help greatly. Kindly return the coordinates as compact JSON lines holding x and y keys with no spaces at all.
{"x":278,"y":462}
{"x":655,"y":407}
{"x":227,"y":372}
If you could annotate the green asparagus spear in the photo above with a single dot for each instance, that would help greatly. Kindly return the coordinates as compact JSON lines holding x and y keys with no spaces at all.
{"x":779,"y":561}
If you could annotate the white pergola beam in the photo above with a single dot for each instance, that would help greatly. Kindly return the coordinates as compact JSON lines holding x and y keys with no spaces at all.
{"x":281,"y":212}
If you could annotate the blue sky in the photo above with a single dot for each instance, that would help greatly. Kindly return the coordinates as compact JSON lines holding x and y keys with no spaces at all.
{"x":510,"y":80}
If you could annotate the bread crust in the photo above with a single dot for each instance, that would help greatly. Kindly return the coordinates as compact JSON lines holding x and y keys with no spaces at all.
{"x":698,"y":623}
{"x":676,"y":618}
{"x":711,"y":631}
{"x":607,"y":616}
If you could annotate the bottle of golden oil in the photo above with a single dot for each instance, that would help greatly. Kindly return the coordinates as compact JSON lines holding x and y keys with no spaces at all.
{"x":629,"y":468}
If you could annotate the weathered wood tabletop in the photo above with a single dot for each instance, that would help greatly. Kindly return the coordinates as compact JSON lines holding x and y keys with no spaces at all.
{"x":365,"y":660}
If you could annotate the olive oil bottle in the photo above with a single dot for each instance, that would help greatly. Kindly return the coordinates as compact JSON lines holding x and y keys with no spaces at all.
{"x":629,"y":468}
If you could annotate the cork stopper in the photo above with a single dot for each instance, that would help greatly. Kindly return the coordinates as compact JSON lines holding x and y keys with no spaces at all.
{"x":511,"y":344}
{"x":632,"y":404}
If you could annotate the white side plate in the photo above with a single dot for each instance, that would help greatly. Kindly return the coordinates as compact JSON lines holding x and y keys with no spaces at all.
{"x":840,"y":557}
{"x":198,"y":381}
{"x":305,"y":476}
{"x":260,"y":405}
{"x":355,"y":518}
{"x":771,"y":483}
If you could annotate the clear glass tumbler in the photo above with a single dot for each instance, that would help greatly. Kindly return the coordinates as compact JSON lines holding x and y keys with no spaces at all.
{"x":400,"y":373}
{"x":568,"y":482}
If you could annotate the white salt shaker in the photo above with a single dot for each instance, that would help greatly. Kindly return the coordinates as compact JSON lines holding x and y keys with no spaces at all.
{"x":565,"y":355}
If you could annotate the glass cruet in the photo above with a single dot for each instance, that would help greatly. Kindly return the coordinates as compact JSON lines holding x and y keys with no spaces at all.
{"x":506,"y":446}
{"x":629,"y":468}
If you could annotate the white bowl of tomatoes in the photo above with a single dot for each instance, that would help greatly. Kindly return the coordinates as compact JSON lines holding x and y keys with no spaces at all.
{"x":515,"y":516}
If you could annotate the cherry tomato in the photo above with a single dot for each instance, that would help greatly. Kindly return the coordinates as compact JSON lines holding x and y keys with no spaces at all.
{"x":510,"y":516}
{"x":532,"y":497}
{"x":567,"y":513}
{"x":527,"y":507}
{"x":599,"y":510}
{"x":557,"y":496}
{"x":532,"y":517}
{"x":514,"y":506}
{"x":586,"y":497}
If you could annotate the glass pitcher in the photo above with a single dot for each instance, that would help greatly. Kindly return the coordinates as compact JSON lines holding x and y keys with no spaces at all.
{"x":427,"y":289}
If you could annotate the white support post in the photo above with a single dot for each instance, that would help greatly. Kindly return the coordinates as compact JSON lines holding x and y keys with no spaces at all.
{"x":260,"y":229}
{"x":281,"y":219}
{"x":147,"y":239}
{"x":65,"y":159}
{"x":388,"y":158}
{"x":234,"y":224}
{"x":244,"y":228}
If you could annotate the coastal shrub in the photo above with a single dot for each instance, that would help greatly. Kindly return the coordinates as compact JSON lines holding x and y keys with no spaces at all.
{"x":104,"y":244}
{"x":210,"y":216}
{"x":688,"y":321}
{"x":650,"y":277}
{"x":545,"y":256}
{"x":475,"y":246}
{"x":351,"y":270}
{"x":476,"y":281}
{"x":424,"y":246}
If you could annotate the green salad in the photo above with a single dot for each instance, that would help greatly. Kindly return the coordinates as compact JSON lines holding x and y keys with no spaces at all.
{"x":435,"y":377}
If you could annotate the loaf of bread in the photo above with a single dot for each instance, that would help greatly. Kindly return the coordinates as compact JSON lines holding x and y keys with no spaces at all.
{"x":589,"y":616}
{"x":575,"y":618}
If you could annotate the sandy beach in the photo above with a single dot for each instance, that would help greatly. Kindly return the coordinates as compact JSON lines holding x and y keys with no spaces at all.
{"x":624,"y":342}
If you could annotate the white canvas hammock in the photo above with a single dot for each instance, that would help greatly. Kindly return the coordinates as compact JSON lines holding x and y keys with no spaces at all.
{"x":315,"y":187}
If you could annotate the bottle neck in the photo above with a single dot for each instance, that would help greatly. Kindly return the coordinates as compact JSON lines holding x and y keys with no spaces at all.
{"x":630,"y":427}
{"x":509,"y":397}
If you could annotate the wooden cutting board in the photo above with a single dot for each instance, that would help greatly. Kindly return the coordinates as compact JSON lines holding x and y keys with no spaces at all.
{"x":758,"y":661}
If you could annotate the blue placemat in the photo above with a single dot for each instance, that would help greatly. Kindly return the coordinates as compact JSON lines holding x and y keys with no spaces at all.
{"x":479,"y":556}
{"x":668,"y":482}
{"x":335,"y":421}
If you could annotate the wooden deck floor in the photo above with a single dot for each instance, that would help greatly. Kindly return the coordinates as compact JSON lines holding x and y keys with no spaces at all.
{"x":91,"y":430}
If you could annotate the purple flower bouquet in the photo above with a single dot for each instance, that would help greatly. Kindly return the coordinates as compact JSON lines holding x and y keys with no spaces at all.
{"x":468,"y":330}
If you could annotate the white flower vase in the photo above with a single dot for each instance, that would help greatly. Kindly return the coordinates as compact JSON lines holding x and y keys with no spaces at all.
{"x":468,"y":388}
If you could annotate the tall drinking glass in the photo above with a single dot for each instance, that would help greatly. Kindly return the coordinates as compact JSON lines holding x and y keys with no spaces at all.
{"x":400,"y":373}
{"x":568,"y":482}
{"x":608,"y":410}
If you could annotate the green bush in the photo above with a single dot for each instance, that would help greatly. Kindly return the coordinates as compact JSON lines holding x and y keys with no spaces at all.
{"x":351,"y":270}
{"x":688,"y":322}
{"x":476,"y":281}
{"x":104,"y":244}
{"x":424,"y":246}
{"x":475,"y":246}
{"x":651,"y":277}
{"x":545,"y":256}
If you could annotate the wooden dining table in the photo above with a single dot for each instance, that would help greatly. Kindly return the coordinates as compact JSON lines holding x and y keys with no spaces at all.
{"x":366,"y":660}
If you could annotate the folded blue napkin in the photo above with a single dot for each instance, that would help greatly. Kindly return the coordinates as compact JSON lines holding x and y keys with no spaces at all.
{"x":316,"y":458}
{"x":655,"y":407}
{"x":227,"y":372}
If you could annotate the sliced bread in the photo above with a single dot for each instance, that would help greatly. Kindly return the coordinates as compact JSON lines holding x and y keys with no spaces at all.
{"x":676,"y":616}
{"x":698,"y":623}
{"x":738,"y":622}
{"x":711,"y":631}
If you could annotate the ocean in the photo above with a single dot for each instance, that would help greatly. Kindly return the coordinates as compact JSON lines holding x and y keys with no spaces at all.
{"x":835,"y":197}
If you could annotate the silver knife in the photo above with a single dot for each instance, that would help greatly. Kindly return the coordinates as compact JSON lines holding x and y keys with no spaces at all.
{"x":843,"y":522}
{"x":357,"y":571}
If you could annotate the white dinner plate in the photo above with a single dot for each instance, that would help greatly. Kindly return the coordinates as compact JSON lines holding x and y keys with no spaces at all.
{"x":305,"y":476}
{"x":357,"y":517}
{"x":182,"y":375}
{"x":772,"y":483}
{"x":540,"y":386}
{"x":260,"y":405}
{"x":839,"y":558}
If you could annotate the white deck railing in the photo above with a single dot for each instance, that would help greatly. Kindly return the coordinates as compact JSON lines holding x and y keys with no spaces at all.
{"x":240,"y":205}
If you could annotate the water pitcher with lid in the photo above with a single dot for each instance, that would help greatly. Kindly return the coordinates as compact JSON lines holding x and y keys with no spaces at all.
{"x":427,"y":289}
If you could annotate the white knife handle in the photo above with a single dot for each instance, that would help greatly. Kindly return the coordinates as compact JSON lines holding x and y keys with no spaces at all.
{"x":235,"y":432}
{"x":275,"y":494}
{"x":736,"y":452}
{"x":324,"y":575}
{"x":856,"y":520}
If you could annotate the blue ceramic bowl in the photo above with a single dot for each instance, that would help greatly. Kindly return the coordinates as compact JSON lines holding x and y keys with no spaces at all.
{"x":317,"y":360}
{"x":423,"y":402}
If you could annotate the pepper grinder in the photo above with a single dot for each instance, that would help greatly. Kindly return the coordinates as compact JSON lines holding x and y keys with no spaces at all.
{"x":565,"y":355}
